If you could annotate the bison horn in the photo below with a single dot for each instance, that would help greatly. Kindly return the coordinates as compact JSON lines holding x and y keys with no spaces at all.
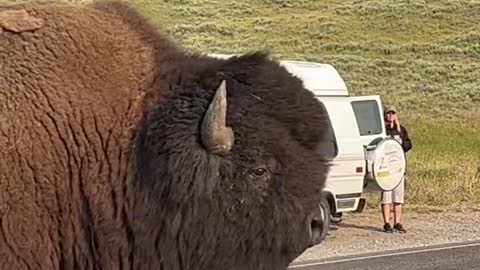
{"x":216,"y":136}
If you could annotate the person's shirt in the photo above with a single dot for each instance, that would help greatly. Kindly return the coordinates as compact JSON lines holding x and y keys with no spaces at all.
{"x":406,"y":142}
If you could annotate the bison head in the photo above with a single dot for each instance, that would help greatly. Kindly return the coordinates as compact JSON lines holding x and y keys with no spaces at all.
{"x":227,"y":172}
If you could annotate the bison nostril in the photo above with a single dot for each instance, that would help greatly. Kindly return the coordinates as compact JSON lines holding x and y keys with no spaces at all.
{"x":319,"y":223}
{"x":316,"y":231}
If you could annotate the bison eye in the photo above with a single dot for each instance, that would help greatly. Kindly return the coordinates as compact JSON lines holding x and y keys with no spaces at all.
{"x":259,"y":172}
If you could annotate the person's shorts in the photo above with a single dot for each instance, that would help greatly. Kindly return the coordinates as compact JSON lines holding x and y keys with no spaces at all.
{"x":397,"y":195}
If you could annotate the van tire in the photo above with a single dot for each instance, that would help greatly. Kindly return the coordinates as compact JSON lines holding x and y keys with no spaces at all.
{"x":321,"y":222}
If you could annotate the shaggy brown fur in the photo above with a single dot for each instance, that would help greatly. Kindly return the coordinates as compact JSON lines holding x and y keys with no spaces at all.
{"x":101,"y":162}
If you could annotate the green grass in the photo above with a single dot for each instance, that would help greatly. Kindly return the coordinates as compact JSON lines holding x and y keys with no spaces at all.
{"x":421,"y":55}
{"x":445,"y":164}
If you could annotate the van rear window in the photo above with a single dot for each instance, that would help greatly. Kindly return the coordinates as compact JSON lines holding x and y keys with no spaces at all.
{"x":368,"y":117}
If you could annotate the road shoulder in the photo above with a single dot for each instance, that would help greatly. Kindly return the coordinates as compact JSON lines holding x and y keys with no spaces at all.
{"x":362,"y":233}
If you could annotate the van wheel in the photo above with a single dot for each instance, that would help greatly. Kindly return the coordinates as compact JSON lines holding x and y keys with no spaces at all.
{"x":320,"y":222}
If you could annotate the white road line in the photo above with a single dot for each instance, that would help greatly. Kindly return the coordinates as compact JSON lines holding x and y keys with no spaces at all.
{"x":384,"y":255}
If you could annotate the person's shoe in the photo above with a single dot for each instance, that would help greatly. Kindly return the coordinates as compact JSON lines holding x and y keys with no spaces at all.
{"x":398,"y":227}
{"x":387,"y":228}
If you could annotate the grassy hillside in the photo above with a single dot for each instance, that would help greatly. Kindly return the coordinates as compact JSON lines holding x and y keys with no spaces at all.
{"x":422,"y":56}
{"x":422,"y":53}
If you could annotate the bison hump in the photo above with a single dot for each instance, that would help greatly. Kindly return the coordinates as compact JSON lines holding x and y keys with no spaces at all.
{"x":18,"y":21}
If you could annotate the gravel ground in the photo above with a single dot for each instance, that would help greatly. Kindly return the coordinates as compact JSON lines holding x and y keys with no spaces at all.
{"x":362,"y":233}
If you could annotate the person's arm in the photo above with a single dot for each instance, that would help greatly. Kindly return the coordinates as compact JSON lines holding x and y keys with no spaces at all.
{"x":406,"y":142}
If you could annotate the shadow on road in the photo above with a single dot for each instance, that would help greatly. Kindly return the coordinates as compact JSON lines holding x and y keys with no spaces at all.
{"x":361,"y":227}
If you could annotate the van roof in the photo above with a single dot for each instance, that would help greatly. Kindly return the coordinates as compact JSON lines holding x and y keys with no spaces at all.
{"x":321,"y":79}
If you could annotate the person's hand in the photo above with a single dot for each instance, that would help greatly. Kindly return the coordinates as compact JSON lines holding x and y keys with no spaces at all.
{"x":397,"y":122}
{"x":398,"y":139}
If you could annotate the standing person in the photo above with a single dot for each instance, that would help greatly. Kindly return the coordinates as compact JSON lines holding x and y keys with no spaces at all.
{"x":396,"y":196}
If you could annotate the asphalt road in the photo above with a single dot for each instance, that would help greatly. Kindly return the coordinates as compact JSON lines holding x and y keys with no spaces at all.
{"x":459,"y":256}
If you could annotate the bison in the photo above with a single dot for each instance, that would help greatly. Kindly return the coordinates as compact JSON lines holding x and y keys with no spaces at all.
{"x":121,"y":150}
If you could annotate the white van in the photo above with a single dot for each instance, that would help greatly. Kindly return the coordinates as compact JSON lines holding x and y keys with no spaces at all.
{"x":363,"y":158}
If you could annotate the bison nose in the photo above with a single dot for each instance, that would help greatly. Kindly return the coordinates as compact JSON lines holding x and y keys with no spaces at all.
{"x":318,"y":226}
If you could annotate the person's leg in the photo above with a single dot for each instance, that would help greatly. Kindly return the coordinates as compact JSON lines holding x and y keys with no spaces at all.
{"x":397,"y":213}
{"x":398,"y":195}
{"x":386,"y":200}
{"x":386,"y":212}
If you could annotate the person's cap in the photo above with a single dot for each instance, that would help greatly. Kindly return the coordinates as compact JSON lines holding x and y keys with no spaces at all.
{"x":390,"y":108}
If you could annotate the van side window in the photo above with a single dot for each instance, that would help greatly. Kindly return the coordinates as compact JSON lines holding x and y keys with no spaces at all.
{"x":368,"y":117}
{"x":329,"y":147}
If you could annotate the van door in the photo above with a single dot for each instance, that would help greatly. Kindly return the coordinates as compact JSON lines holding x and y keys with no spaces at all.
{"x":385,"y":160}
{"x":369,"y":118}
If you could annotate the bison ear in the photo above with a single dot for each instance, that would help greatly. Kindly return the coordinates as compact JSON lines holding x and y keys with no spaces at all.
{"x":216,"y":136}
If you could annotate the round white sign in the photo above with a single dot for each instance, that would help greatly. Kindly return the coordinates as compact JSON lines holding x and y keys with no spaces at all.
{"x":387,"y":164}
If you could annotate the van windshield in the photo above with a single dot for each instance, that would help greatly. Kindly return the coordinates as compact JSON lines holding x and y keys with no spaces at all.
{"x":368,"y":117}
{"x":328,"y":147}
